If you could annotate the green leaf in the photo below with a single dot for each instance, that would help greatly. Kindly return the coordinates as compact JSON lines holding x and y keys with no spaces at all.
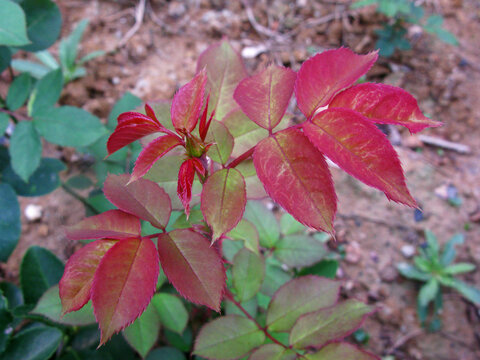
{"x":459,"y":268}
{"x":171,"y":311}
{"x":143,"y":332}
{"x":34,"y":344}
{"x":127,"y":102}
{"x":4,"y":122}
{"x":12,"y":293}
{"x":251,"y":306}
{"x":248,"y":273}
{"x":43,"y":181}
{"x":69,"y":126}
{"x":40,"y":270}
{"x":13,"y":27}
{"x":432,"y":242}
{"x":90,"y":56}
{"x":10,"y":226}
{"x":50,"y":306}
{"x":25,"y":150}
{"x":47,"y":59}
{"x":166,"y":353}
{"x":36,"y":70}
{"x":264,"y":221}
{"x":45,"y":93}
{"x":68,"y":48}
{"x":230,"y":248}
{"x":449,"y":253}
{"x":80,"y":182}
{"x":5,"y":58}
{"x":247,"y":232}
{"x":182,"y":342}
{"x":411,"y":272}
{"x":275,"y":277}
{"x":18,"y":91}
{"x":289,"y":226}
{"x":428,"y":292}
{"x":44,"y":22}
{"x":469,"y":292}
{"x":329,"y":324}
{"x":326,"y":268}
{"x":287,"y":306}
{"x":228,"y":337}
{"x":299,"y":250}
{"x":5,"y":321}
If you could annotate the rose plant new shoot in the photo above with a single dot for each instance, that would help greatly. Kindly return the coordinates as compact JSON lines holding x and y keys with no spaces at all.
{"x":227,"y":138}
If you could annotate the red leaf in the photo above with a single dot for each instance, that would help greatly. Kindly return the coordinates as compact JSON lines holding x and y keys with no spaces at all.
{"x":264,"y":97}
{"x":384,"y":104}
{"x":132,"y":117}
{"x":151,"y":114}
{"x":225,"y":69}
{"x":321,"y":77}
{"x":186,"y":174}
{"x":126,"y":134}
{"x":113,"y":224}
{"x":295,"y":175}
{"x":143,"y":198}
{"x":223,"y":201}
{"x":204,"y":125}
{"x":152,"y":152}
{"x":123,"y":285}
{"x":193,"y":267}
{"x":342,"y":350}
{"x":356,"y":145}
{"x":77,"y":278}
{"x":187,"y":104}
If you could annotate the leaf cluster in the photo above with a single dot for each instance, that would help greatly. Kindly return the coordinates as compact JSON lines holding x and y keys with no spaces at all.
{"x":401,"y":13}
{"x":34,"y":26}
{"x":436,"y":268}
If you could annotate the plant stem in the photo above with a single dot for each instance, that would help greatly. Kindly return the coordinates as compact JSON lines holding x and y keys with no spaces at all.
{"x":231,"y":297}
{"x":79,"y":198}
{"x":15,"y":115}
{"x":241,"y":158}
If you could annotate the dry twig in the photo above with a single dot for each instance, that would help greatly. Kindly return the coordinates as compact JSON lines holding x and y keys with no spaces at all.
{"x":139,"y":13}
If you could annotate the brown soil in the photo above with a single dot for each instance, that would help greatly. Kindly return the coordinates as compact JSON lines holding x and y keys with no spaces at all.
{"x":161,"y":56}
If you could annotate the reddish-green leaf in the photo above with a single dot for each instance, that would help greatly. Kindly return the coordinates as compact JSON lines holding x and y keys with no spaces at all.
{"x":321,"y":77}
{"x":186,"y":175}
{"x":124,"y":135}
{"x":223,"y":201}
{"x":114,"y":224}
{"x":228,"y":337}
{"x":384,"y":104}
{"x":152,"y":152}
{"x":286,"y":306}
{"x":124,"y":283}
{"x":356,"y":145}
{"x":77,"y":278}
{"x":248,"y":272}
{"x":225,"y":70}
{"x":143,"y":198}
{"x":329,"y":324}
{"x":296,"y":176}
{"x":265,"y":96}
{"x":192,"y":266}
{"x":222,"y":142}
{"x":187,"y":103}
{"x":273,"y":352}
{"x":343,"y":351}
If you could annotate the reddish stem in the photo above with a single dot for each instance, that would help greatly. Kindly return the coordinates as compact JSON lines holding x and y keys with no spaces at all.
{"x":230,"y":297}
{"x":241,"y":158}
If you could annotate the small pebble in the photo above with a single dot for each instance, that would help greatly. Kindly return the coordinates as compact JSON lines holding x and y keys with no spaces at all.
{"x":33,"y":212}
{"x":408,"y":251}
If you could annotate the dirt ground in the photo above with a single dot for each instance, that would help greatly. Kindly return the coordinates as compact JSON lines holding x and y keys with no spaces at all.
{"x":161,"y":56}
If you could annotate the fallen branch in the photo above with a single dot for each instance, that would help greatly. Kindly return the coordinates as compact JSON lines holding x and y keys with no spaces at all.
{"x":445,"y":144}
{"x":139,"y":13}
